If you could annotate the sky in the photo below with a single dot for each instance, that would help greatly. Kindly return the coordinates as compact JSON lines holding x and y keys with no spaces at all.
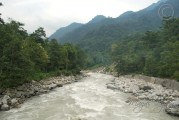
{"x":54,"y":14}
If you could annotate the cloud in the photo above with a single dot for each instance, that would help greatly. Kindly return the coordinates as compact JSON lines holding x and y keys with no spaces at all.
{"x":52,"y":14}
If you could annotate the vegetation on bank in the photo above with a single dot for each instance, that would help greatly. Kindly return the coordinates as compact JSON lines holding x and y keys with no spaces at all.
{"x":25,"y":57}
{"x":153,"y":53}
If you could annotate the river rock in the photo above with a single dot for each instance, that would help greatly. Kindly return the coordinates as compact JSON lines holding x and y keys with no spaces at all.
{"x":145,"y":87}
{"x":21,"y":100}
{"x":52,"y":86}
{"x":175,"y":94}
{"x":11,"y":92}
{"x":29,"y":94}
{"x":132,"y":99}
{"x":14,"y":102}
{"x":0,"y":103}
{"x":170,"y":98}
{"x":110,"y":86}
{"x":5,"y":107}
{"x":59,"y":85}
{"x":23,"y":87}
{"x":19,"y":94}
{"x":5,"y":99}
{"x":173,"y":108}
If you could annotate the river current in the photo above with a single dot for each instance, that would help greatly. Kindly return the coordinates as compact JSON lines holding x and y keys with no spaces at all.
{"x":88,"y":99}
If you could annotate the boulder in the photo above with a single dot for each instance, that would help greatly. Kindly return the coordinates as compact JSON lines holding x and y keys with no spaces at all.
{"x":173,"y":108}
{"x":21,"y":88}
{"x":11,"y":92}
{"x":21,"y":100}
{"x":142,"y":97}
{"x":113,"y":87}
{"x":164,"y":83}
{"x":145,"y":87}
{"x":59,"y":85}
{"x":52,"y":86}
{"x":132,"y":100}
{"x":68,"y":82}
{"x":29,"y":94}
{"x":0,"y":103}
{"x":19,"y":94}
{"x":44,"y":91}
{"x":5,"y":107}
{"x":14,"y":102}
{"x":5,"y":99}
{"x":170,"y":98}
{"x":175,"y":94}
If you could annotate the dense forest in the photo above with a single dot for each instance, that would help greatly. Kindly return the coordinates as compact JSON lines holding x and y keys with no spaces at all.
{"x":96,"y":36}
{"x":25,"y":57}
{"x":153,"y":53}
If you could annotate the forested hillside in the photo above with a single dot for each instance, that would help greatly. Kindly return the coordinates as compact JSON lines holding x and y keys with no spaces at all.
{"x":25,"y":57}
{"x":97,"y":36}
{"x":155,"y":53}
{"x":64,"y":30}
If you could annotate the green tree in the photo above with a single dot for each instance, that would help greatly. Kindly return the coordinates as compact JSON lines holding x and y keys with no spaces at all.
{"x":36,"y":53}
{"x":15,"y":66}
{"x":55,"y":56}
{"x":154,"y":54}
{"x":25,"y":57}
{"x":39,"y":35}
{"x":1,"y":20}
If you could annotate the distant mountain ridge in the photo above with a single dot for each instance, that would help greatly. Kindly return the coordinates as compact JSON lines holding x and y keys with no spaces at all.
{"x":64,"y":30}
{"x":97,"y":19}
{"x":101,"y":31}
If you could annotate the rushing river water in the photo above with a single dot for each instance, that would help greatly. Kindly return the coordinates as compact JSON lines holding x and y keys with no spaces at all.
{"x":88,"y":99}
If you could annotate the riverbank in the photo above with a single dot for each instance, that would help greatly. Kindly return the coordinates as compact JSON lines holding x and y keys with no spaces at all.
{"x":143,"y":90}
{"x":88,"y":99}
{"x":14,"y":97}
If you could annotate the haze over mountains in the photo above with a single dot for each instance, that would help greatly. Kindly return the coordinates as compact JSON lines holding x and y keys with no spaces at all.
{"x":97,"y":35}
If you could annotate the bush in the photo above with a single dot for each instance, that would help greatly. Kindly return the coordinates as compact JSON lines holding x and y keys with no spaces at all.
{"x":39,"y":76}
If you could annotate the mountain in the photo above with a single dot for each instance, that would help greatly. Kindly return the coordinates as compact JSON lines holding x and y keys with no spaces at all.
{"x":97,"y":35}
{"x":128,"y":23}
{"x":64,"y":30}
{"x":60,"y":33}
{"x":76,"y":35}
{"x":97,"y":19}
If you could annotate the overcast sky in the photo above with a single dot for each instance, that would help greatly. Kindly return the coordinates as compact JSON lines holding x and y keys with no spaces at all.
{"x":53,"y":14}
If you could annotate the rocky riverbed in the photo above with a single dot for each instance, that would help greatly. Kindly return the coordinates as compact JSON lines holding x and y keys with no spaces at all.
{"x":14,"y":97}
{"x":140,"y":90}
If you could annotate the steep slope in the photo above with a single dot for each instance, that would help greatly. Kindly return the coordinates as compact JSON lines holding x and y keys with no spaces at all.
{"x":112,"y":29}
{"x":97,"y":37}
{"x":97,"y":19}
{"x":79,"y":33}
{"x":129,"y":23}
{"x":64,"y":30}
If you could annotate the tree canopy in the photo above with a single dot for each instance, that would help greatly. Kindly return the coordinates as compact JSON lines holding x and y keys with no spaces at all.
{"x":152,"y":53}
{"x":1,"y":20}
{"x":24,"y":56}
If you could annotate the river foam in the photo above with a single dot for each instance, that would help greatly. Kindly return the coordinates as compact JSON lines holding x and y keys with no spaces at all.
{"x":88,"y":99}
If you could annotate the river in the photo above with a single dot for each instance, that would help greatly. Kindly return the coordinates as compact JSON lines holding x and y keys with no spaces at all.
{"x":88,"y":99}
